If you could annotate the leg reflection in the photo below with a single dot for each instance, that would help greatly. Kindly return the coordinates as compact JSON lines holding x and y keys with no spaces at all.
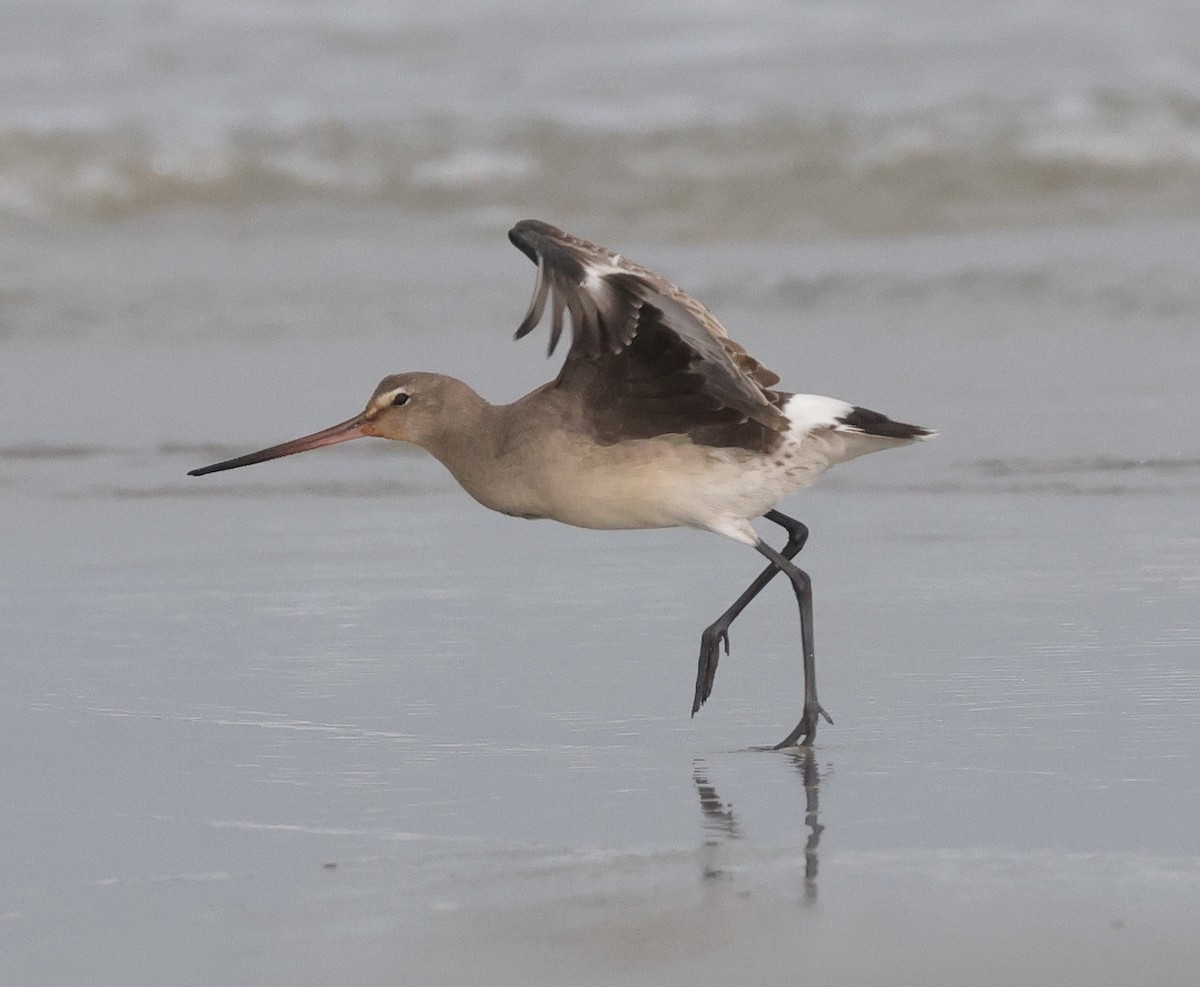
{"x":720,"y":826}
{"x":806,"y":764}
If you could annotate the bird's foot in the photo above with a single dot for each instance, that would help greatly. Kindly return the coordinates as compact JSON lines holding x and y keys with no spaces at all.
{"x":710,"y":653}
{"x":806,"y":730}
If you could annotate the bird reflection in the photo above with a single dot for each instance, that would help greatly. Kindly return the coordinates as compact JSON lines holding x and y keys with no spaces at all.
{"x":720,"y":825}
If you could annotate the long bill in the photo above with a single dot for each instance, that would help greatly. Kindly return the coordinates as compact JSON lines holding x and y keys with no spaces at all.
{"x":347,"y":430}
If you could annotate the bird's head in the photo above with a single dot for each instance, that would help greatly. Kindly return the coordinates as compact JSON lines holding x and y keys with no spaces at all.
{"x":407,"y":407}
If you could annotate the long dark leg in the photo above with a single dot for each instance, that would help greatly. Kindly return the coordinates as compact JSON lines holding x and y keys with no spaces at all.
{"x":806,"y":729}
{"x":717,"y":633}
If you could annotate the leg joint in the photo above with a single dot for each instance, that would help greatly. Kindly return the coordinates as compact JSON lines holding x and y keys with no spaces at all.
{"x":797,"y":530}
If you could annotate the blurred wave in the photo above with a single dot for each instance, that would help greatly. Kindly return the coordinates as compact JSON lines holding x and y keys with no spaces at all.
{"x":964,"y":166}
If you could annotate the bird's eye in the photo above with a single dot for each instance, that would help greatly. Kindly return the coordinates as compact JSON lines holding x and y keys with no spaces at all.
{"x":400,"y":399}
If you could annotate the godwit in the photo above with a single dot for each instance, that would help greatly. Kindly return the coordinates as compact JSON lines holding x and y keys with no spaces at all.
{"x":657,"y":419}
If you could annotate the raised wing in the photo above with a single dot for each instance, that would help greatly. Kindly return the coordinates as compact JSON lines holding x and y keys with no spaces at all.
{"x":642,"y":349}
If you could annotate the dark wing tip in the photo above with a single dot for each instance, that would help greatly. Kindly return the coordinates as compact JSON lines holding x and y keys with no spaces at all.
{"x":525,"y":235}
{"x":873,"y":423}
{"x":560,"y":260}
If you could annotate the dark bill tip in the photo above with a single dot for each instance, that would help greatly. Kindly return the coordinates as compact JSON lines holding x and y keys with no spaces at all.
{"x":347,"y":430}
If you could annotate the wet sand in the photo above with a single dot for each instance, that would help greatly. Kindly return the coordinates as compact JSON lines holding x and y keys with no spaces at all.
{"x":327,"y":720}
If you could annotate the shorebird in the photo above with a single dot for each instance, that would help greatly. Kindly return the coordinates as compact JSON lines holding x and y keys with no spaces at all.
{"x":657,"y":419}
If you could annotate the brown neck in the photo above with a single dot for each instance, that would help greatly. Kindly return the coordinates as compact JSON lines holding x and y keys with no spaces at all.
{"x":480,"y":444}
{"x":455,"y":426}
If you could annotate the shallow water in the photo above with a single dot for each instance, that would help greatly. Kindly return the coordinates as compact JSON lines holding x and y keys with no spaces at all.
{"x":326,"y":720}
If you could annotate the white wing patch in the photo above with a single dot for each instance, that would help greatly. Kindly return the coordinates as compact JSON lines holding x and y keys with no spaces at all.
{"x":595,"y":273}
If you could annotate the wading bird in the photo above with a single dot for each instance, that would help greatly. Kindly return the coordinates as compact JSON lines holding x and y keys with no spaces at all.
{"x":657,"y":419}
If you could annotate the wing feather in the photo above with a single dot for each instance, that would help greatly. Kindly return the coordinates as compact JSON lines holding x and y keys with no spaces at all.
{"x":612,"y":303}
